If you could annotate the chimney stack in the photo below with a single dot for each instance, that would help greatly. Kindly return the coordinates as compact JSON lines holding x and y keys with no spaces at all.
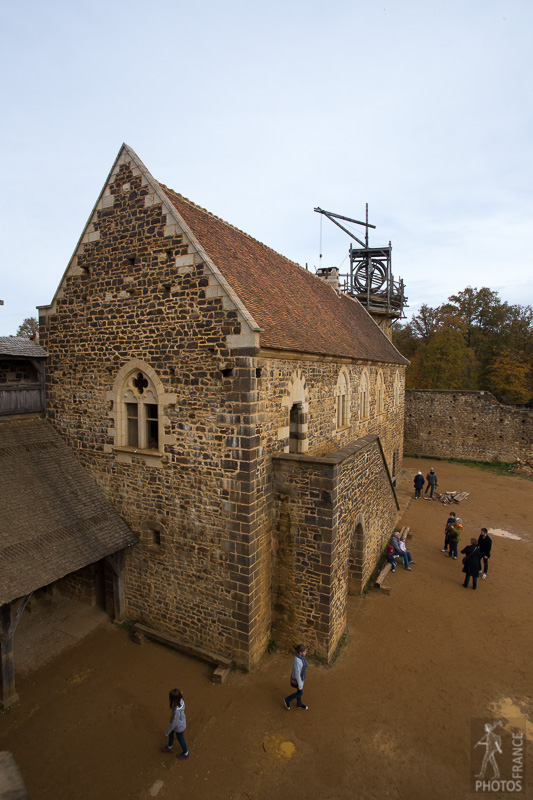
{"x":331,"y":276}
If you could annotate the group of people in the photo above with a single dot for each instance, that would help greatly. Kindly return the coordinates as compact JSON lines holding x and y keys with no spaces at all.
{"x":431,"y":480}
{"x":476,"y":554}
{"x":398,"y":549}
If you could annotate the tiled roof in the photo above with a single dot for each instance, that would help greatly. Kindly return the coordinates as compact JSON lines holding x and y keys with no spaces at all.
{"x":54,"y":518}
{"x":295,"y":309}
{"x":18,"y":346}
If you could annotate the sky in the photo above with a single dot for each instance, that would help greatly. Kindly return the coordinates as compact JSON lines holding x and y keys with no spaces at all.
{"x":262,"y":112}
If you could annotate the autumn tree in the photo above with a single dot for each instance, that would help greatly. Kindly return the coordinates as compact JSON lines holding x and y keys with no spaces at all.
{"x":29,"y":328}
{"x":473,"y":341}
{"x":511,"y":377}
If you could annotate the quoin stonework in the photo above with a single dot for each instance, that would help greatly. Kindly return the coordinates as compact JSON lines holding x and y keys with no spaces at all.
{"x":243,"y":416}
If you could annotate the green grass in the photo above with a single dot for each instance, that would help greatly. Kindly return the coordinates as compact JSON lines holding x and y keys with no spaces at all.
{"x":498,"y":467}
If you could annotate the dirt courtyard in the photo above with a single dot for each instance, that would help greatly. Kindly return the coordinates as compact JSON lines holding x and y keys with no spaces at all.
{"x":390,"y":719}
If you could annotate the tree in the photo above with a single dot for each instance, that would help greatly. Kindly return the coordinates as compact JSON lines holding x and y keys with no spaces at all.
{"x":510,"y":375}
{"x":444,"y":362}
{"x":29,"y":328}
{"x":473,"y":341}
{"x":425,"y":323}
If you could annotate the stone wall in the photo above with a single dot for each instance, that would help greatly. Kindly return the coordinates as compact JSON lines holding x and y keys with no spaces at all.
{"x":13,"y":371}
{"x":466,"y":424}
{"x":135,"y":296}
{"x":138,"y":311}
{"x":334,"y":515}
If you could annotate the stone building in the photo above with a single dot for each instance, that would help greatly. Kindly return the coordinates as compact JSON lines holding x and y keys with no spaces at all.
{"x":243,"y":416}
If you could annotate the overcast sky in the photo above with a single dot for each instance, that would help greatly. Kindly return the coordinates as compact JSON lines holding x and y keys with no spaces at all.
{"x":259,"y":113}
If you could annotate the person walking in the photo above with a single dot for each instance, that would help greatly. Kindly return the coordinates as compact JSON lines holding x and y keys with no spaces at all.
{"x":471,"y":563}
{"x":485,"y":545}
{"x":178,"y":723}
{"x":418,"y":482}
{"x":431,"y":479}
{"x":298,"y":676}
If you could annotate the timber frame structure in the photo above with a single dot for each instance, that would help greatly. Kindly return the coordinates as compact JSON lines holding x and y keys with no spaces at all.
{"x":55,"y":519}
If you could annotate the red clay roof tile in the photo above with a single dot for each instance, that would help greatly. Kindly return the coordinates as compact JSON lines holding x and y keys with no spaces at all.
{"x":296,"y":310}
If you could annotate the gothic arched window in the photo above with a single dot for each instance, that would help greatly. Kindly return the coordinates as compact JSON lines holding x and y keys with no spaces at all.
{"x":141,"y":417}
{"x":397,"y":389}
{"x":342,"y":400}
{"x":380,"y":393}
{"x":364,"y":405}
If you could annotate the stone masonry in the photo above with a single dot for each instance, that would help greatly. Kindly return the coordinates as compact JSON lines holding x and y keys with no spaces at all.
{"x":190,"y":414}
{"x":466,"y":424}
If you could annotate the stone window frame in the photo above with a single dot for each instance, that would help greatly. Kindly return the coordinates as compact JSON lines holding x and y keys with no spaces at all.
{"x":296,"y":395}
{"x":364,"y":396}
{"x":148,"y":534}
{"x":396,"y":390}
{"x":380,"y":392}
{"x":124,"y":452}
{"x":342,"y":397}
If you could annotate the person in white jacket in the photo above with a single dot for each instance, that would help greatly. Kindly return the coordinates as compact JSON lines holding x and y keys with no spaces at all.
{"x":298,"y":676}
{"x":178,"y":723}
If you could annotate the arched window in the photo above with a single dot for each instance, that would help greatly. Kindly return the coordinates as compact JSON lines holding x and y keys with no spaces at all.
{"x":364,"y":405}
{"x":380,"y":393}
{"x":296,"y":401}
{"x":296,"y":428}
{"x":397,"y":389}
{"x":141,"y":412}
{"x":138,"y":404}
{"x":342,"y":400}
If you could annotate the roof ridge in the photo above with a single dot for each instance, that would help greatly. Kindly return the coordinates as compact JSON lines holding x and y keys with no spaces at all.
{"x":234,"y":227}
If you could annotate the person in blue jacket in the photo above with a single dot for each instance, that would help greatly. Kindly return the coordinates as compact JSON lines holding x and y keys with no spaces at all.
{"x":418,"y":482}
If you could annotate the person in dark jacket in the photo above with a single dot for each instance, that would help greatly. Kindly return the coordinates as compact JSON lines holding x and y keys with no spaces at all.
{"x":485,"y":544}
{"x":418,"y":482}
{"x":431,"y":478}
{"x":471,"y":563}
{"x":449,"y":522}
{"x":454,"y":534}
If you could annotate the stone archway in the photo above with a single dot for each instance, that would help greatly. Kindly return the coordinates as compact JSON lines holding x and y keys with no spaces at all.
{"x":356,"y":556}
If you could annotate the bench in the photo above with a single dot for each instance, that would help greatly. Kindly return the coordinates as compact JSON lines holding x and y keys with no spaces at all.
{"x":222,"y":665}
{"x":379,"y":582}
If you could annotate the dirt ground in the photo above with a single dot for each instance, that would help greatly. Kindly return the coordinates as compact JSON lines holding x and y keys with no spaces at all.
{"x":390,"y":719}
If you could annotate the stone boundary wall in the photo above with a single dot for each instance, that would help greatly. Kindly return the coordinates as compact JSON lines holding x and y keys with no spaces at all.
{"x":333,"y":517}
{"x":466,"y":424}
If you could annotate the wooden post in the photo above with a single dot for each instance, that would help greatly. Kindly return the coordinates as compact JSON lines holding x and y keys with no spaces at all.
{"x":8,"y":624}
{"x":116,"y":562}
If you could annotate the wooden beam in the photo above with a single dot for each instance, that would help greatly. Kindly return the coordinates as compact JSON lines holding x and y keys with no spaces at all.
{"x":116,"y":562}
{"x":8,"y":624}
{"x":190,"y":650}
